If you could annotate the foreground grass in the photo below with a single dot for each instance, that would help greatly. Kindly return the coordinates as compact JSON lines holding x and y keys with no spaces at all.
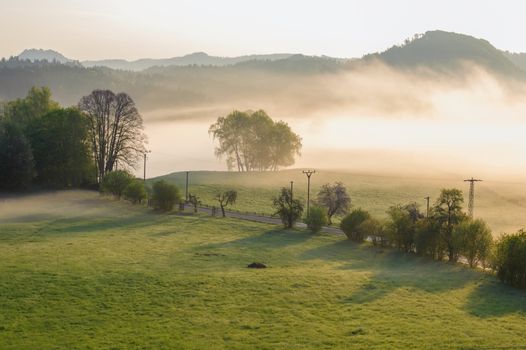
{"x":114,"y":276}
{"x":502,"y":205}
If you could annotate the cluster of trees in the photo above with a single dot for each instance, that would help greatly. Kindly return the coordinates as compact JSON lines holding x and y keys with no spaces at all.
{"x":445,"y":232}
{"x":44,"y":144}
{"x":253,"y":141}
{"x":162,"y":196}
{"x":332,"y":199}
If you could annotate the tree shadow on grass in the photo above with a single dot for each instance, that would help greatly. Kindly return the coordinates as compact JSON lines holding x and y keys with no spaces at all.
{"x":386,"y":270}
{"x":491,"y":298}
{"x":82,"y":225}
{"x":274,"y":238}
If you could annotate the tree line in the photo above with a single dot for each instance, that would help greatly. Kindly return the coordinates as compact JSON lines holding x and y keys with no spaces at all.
{"x":444,"y":233}
{"x":46,"y":145}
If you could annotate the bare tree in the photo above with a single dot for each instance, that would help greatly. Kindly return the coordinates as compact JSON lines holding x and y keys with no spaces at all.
{"x":115,"y":128}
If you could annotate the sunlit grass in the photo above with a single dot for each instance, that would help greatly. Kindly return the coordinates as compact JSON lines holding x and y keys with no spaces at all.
{"x":502,"y":205}
{"x":134,"y":279}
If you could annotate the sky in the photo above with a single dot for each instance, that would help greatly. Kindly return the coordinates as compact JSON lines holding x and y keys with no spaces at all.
{"x":134,"y":29}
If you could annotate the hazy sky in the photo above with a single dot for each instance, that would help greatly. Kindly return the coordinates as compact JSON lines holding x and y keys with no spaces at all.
{"x":93,"y":29}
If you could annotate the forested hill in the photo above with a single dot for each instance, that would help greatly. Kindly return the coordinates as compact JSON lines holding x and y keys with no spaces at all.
{"x":519,"y":59}
{"x":290,"y":79}
{"x":163,"y":87}
{"x":447,"y":51}
{"x":196,"y":58}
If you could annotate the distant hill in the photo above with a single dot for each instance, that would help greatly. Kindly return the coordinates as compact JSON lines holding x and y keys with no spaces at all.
{"x":445,"y":51}
{"x":43,"y":55}
{"x":197,"y":58}
{"x":519,"y":59}
{"x":196,"y":80}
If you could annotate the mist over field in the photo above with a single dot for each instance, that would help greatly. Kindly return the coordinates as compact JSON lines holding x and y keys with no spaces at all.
{"x":372,"y":118}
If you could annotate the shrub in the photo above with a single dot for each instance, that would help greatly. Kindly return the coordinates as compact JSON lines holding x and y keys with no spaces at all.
{"x":115,"y":182}
{"x":335,"y":199}
{"x":510,"y":259}
{"x":316,"y":219}
{"x":402,"y":225}
{"x":473,"y":240}
{"x":428,"y":241}
{"x":165,"y":196}
{"x":287,"y":208}
{"x":376,"y":230}
{"x":135,"y":191}
{"x":351,"y":225}
{"x":226,"y":198}
{"x":194,"y":200}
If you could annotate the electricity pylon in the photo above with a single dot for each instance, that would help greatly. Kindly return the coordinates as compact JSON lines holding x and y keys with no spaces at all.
{"x":471,"y":203}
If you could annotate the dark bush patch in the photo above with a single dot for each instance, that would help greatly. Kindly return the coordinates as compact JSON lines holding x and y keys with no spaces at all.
{"x":257,"y":265}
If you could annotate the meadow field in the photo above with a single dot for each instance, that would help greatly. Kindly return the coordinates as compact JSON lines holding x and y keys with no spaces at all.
{"x":81,"y":271}
{"x":501,"y":204}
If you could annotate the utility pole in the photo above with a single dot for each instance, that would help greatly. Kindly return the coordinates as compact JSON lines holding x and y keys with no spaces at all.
{"x":187,"y":186}
{"x":427,"y":206}
{"x":308,"y":173}
{"x":471,"y":203}
{"x":144,"y":168}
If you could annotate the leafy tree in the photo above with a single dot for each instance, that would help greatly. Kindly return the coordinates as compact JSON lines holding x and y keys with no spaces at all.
{"x":428,"y":240}
{"x":135,"y":192}
{"x":165,"y":195}
{"x":510,"y":259}
{"x":16,"y":158}
{"x":352,"y":226}
{"x":25,"y":110}
{"x":115,"y":182}
{"x":375,"y":229}
{"x":447,"y":212}
{"x":402,"y":225}
{"x":316,"y":219}
{"x":253,"y":141}
{"x":288,"y":209}
{"x":335,"y":199}
{"x":473,"y":240}
{"x":194,"y":200}
{"x":115,"y":129}
{"x":225,"y":199}
{"x":61,"y":148}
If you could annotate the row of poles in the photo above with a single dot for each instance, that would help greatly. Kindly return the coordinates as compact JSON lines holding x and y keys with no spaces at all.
{"x":308,"y":173}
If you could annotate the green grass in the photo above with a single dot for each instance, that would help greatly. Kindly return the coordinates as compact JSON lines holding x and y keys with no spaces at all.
{"x":502,"y":205}
{"x":97,"y":274}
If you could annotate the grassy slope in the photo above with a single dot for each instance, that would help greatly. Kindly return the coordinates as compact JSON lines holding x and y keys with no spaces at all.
{"x":502,"y":205}
{"x":112,"y":276}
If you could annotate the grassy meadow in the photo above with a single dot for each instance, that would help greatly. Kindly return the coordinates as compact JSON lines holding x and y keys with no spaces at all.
{"x":501,"y":204}
{"x":79,"y":271}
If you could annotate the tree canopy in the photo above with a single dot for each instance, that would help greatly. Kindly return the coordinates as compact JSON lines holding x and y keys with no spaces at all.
{"x":253,"y":141}
{"x":23,"y":111}
{"x":115,"y":129}
{"x":60,"y":146}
